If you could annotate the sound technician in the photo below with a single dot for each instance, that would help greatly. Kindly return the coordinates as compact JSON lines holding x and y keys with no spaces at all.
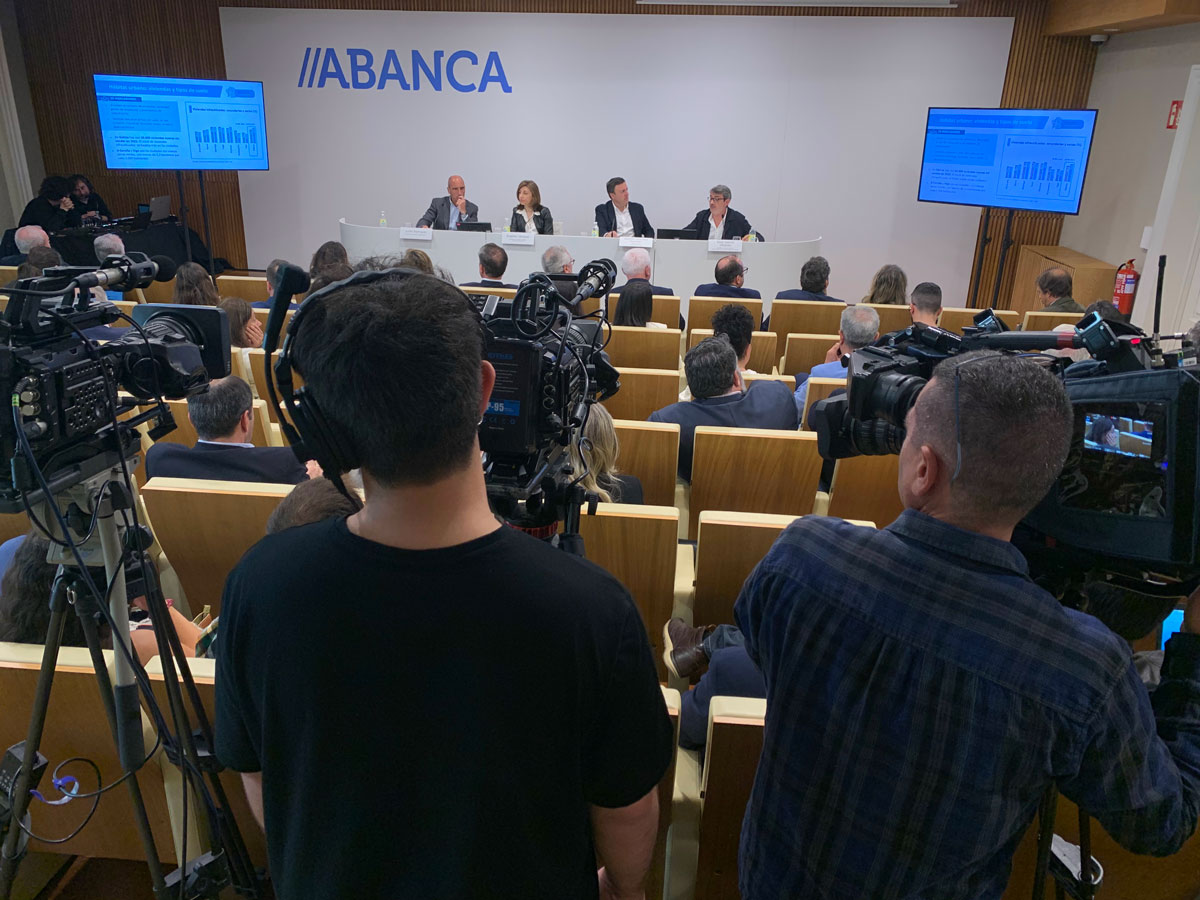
{"x":479,"y":714}
{"x":923,"y":692}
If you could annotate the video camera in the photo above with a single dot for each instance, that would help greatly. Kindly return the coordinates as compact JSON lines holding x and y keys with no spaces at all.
{"x":1124,"y":501}
{"x":63,"y":383}
{"x":550,"y":367}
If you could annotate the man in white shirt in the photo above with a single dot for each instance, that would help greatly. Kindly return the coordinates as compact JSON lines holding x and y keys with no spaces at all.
{"x":619,"y":217}
{"x":719,"y":221}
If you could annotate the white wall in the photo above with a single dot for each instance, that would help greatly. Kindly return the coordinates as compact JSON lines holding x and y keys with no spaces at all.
{"x":815,"y":123}
{"x":1137,"y":76}
{"x":18,"y":127}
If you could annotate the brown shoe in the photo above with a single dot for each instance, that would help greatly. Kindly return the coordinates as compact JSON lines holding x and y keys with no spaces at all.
{"x":683,"y":648}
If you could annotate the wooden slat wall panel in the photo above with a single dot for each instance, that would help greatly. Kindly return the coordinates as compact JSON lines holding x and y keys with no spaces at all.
{"x":182,"y":38}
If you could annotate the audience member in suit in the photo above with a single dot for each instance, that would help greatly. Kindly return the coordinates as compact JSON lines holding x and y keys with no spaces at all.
{"x":493,"y":262}
{"x":1054,"y":287}
{"x":599,"y":460}
{"x":635,"y":305}
{"x":272,"y":278}
{"x":619,"y":217}
{"x":223,"y":417}
{"x":730,"y":275}
{"x":245,"y":330}
{"x":89,"y":206}
{"x":557,"y":260}
{"x":814,"y":282}
{"x":529,"y":215}
{"x":718,"y":399}
{"x":719,"y":221}
{"x":26,"y":238}
{"x":635,"y":265}
{"x":889,"y":287}
{"x":51,"y":209}
{"x":859,"y":328}
{"x":194,"y":286}
{"x":493,"y":754}
{"x":445,"y":213}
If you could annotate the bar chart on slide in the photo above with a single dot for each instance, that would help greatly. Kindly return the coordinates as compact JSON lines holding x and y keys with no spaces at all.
{"x":226,"y":140}
{"x":1045,"y":167}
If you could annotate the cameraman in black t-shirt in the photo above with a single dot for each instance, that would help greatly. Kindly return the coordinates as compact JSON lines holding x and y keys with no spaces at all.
{"x":426,"y":703}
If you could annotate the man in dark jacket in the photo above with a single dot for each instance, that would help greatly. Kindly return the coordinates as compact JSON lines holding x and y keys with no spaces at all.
{"x":719,"y":221}
{"x":619,"y":217}
{"x":730,"y":275}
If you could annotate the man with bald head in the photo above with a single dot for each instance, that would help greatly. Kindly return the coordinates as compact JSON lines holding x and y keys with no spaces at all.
{"x":26,"y":238}
{"x":1054,"y":288}
{"x":445,"y":213}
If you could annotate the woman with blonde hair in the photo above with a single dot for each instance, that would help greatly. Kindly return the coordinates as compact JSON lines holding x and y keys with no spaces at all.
{"x":529,"y":215}
{"x":600,"y":460}
{"x":889,"y":287}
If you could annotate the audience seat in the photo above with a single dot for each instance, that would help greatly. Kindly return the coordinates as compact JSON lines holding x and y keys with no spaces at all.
{"x":753,"y":470}
{"x":1037,"y":320}
{"x":254,"y":358}
{"x":251,"y":288}
{"x":636,"y":545}
{"x":263,"y":314}
{"x":819,"y":389}
{"x":763,"y":344}
{"x":649,"y":450}
{"x":8,"y":274}
{"x":803,"y":351}
{"x":185,"y":432}
{"x":646,"y":348}
{"x":502,"y":293}
{"x":710,"y":801}
{"x":807,"y":317}
{"x":749,"y":378}
{"x":1124,"y":423}
{"x":204,"y":527}
{"x":656,"y":879}
{"x":665,"y":308}
{"x":642,"y":392}
{"x":956,"y":318}
{"x":77,"y":726}
{"x":864,"y":487}
{"x":160,"y":291}
{"x":1134,"y":443}
{"x":12,"y":525}
{"x":701,"y":309}
{"x":892,"y":317}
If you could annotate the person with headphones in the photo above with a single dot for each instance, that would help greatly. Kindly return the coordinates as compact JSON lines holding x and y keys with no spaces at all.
{"x":511,"y":733}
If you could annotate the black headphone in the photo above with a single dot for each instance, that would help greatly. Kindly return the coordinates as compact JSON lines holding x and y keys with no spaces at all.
{"x":314,"y":435}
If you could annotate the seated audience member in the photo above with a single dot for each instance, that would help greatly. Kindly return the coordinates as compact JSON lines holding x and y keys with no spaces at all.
{"x":25,"y":611}
{"x":635,"y":264}
{"x":223,"y":417}
{"x":557,"y":260}
{"x":1107,"y":310}
{"x":635,"y":306}
{"x":329,"y":275}
{"x":272,"y":278}
{"x":398,"y":367}
{"x":311,"y":501}
{"x":529,"y":215}
{"x":194,"y":286}
{"x":37,"y":261}
{"x":619,"y":216}
{"x":736,"y":323}
{"x":730,"y":275}
{"x":1054,"y":288}
{"x":330,"y":253}
{"x":718,"y":398}
{"x":104,"y":246}
{"x":716,"y":653}
{"x":26,"y":238}
{"x":417,"y":259}
{"x":926,"y":304}
{"x":859,"y":328}
{"x":245,"y":330}
{"x":814,"y":282}
{"x":889,"y":287}
{"x":1104,"y":431}
{"x":444,"y":274}
{"x":90,"y":207}
{"x":600,"y":461}
{"x":719,"y":221}
{"x":493,"y":262}
{"x":922,"y":682}
{"x":51,"y":209}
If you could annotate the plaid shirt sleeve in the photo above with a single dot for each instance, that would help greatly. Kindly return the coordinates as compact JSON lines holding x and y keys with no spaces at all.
{"x":1139,"y":773}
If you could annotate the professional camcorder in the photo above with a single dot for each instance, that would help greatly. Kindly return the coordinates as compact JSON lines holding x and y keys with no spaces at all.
{"x":550,"y":367}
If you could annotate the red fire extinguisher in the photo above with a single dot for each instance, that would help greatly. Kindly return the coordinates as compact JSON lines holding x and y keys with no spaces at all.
{"x":1126,"y":285}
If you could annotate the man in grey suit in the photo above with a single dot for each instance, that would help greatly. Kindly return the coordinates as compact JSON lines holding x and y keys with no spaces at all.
{"x":445,"y":213}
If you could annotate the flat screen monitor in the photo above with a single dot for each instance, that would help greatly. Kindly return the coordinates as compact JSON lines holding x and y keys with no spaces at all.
{"x":1030,"y":159}
{"x":181,"y":123}
{"x":677,"y":234}
{"x":474,"y":226}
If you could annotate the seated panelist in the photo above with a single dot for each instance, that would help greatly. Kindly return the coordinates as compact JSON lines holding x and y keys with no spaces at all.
{"x":445,"y":213}
{"x":620,"y":217}
{"x":529,"y":215}
{"x":719,"y":222}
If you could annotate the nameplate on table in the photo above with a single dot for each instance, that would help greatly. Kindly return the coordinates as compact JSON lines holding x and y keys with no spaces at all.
{"x":724,"y":246}
{"x":631,"y":241}
{"x":416,"y":234}
{"x":517,"y":238}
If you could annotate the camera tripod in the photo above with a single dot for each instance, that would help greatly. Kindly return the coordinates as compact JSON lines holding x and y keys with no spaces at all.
{"x":107,"y":543}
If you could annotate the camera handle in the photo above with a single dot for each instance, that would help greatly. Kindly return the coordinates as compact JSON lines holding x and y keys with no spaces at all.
{"x":569,"y":539}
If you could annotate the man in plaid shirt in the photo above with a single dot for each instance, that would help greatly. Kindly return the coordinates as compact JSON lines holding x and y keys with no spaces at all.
{"x":922,"y":692}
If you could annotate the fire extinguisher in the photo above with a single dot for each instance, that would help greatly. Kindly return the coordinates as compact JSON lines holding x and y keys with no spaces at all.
{"x":1126,"y":285}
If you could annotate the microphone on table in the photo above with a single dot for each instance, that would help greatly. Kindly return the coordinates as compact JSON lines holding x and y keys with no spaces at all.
{"x":125,"y":273}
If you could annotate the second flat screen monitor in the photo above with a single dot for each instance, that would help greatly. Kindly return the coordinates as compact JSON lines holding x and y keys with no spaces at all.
{"x":1029,"y":159}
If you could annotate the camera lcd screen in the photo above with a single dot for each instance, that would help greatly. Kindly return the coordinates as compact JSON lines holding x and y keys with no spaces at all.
{"x":1118,"y":462}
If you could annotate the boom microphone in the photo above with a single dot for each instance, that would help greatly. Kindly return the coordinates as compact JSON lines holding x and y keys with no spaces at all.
{"x":127,"y":272}
{"x":597,"y":277}
{"x":1024,"y":340}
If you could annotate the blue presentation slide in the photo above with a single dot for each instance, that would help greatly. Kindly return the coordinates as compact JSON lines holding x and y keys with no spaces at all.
{"x":181,"y":123}
{"x":1033,"y":159}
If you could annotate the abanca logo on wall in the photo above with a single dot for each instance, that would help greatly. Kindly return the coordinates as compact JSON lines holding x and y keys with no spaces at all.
{"x":324,"y":66}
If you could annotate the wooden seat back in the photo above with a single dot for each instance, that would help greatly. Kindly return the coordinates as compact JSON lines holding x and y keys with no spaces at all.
{"x":644,"y":348}
{"x":263,"y":314}
{"x":204,"y":527}
{"x":77,"y":726}
{"x":892,"y":316}
{"x":665,"y":308}
{"x":251,"y":288}
{"x":956,"y":318}
{"x":1134,"y":443}
{"x":160,"y":291}
{"x":1037,"y":320}
{"x":753,"y":470}
{"x":254,"y":358}
{"x":8,"y":274}
{"x":642,"y":392}
{"x":763,"y":347}
{"x":806,"y":317}
{"x":728,"y":547}
{"x":701,"y":309}
{"x":864,"y":487}
{"x":803,"y":351}
{"x":650,"y":451}
{"x":748,"y":378}
{"x":819,"y":389}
